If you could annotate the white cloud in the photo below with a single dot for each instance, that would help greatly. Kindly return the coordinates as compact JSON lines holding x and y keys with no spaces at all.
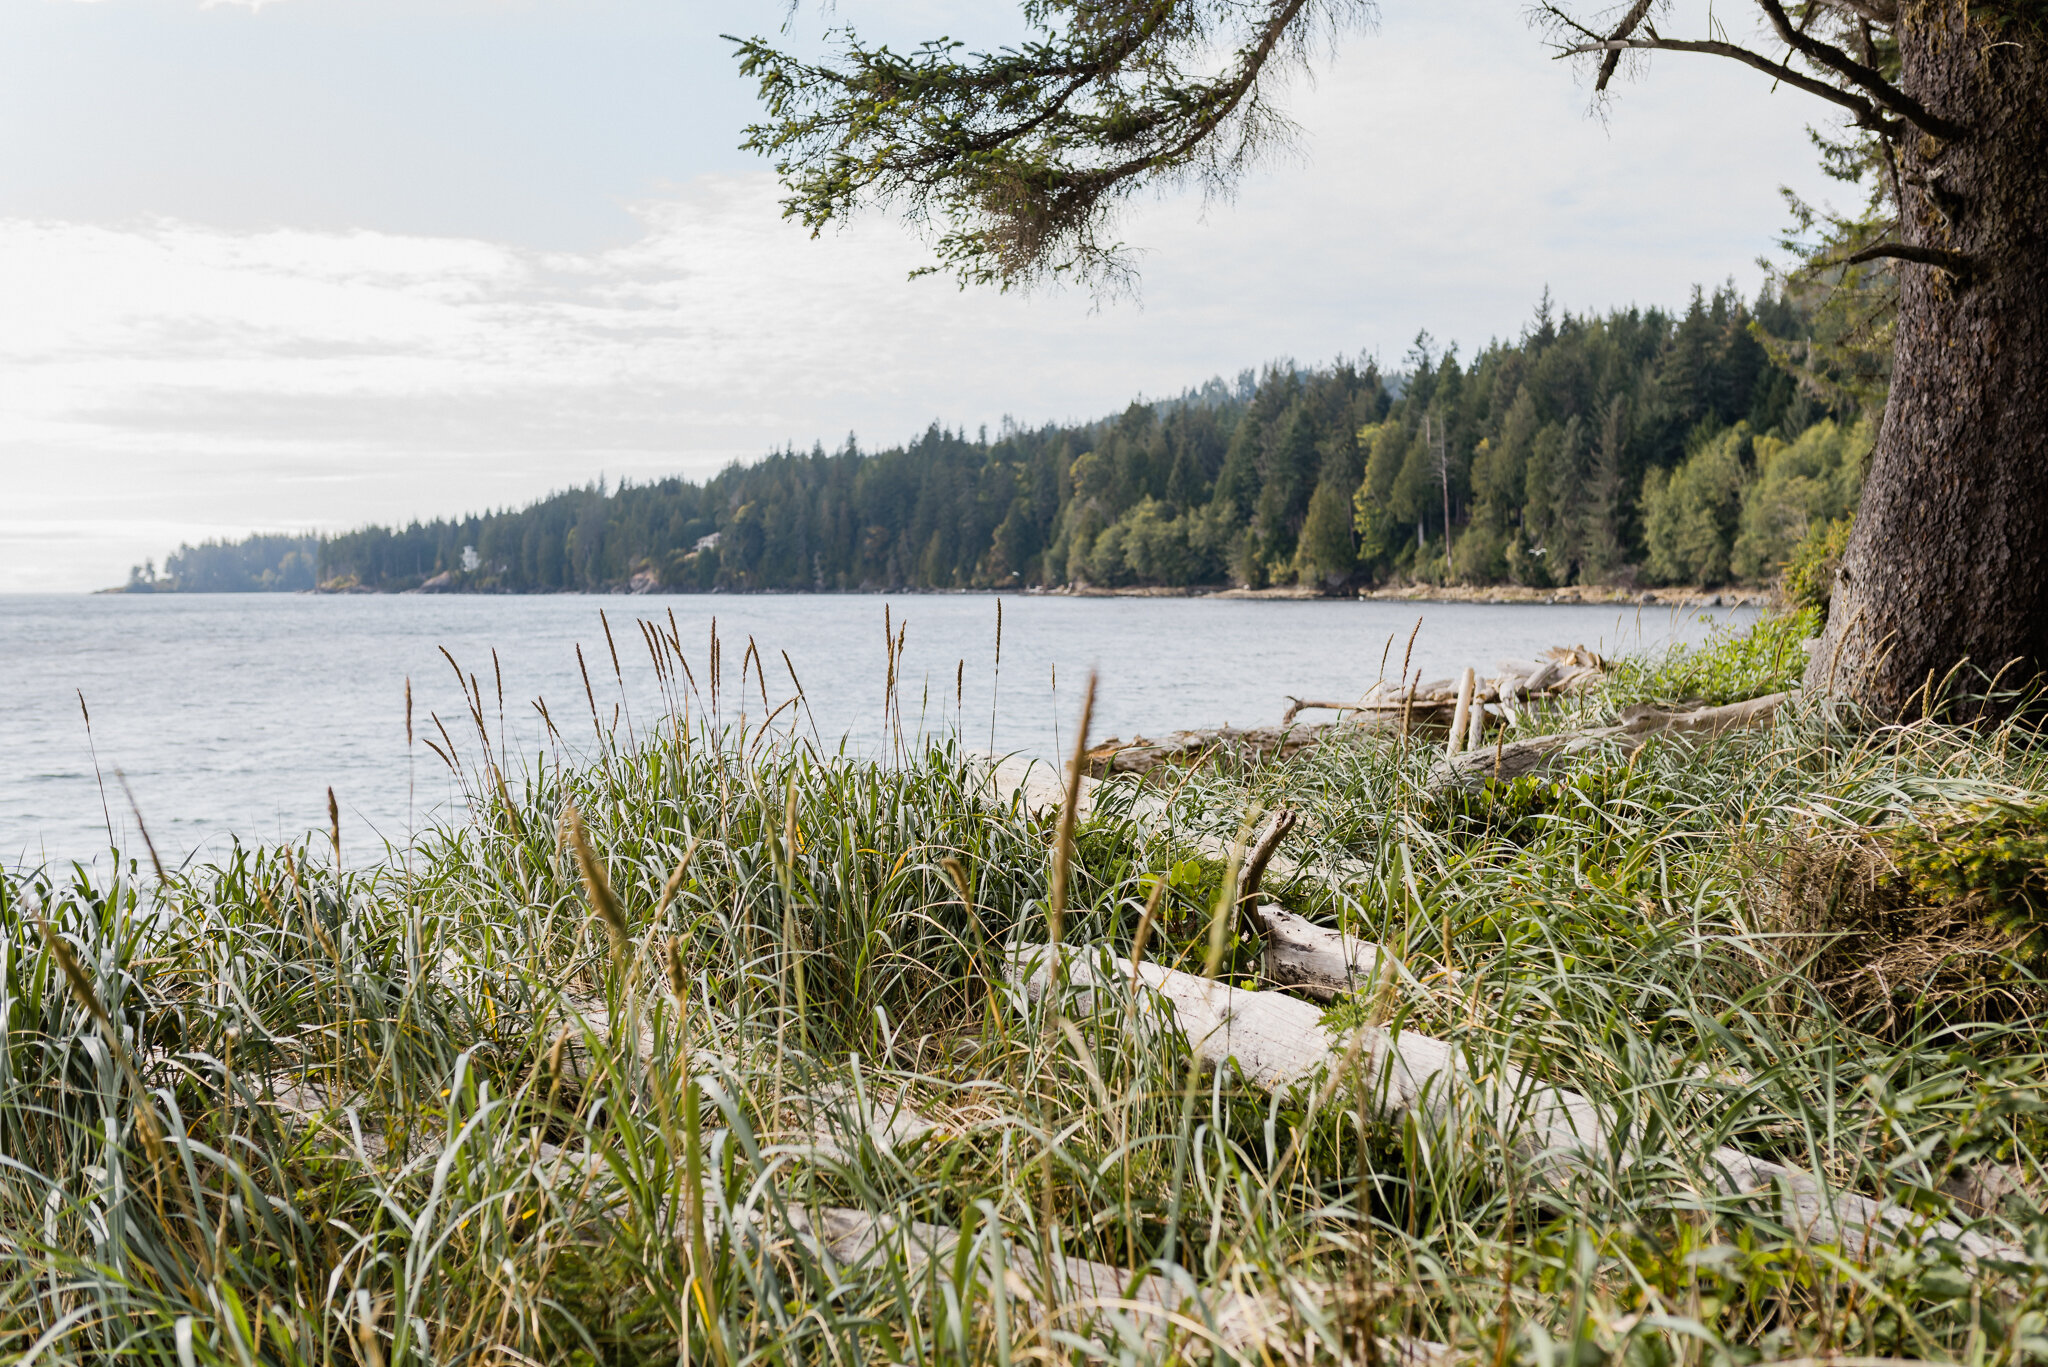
{"x":168,"y":380}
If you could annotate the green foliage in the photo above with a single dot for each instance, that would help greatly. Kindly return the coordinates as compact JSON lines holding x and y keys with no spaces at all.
{"x":1741,"y":504}
{"x":1023,"y":154}
{"x":1541,"y":445}
{"x":1992,"y":855}
{"x":1690,"y":516}
{"x":1325,"y":555}
{"x":1731,"y":665}
{"x":1844,"y":354}
{"x":1810,"y":569}
{"x":1798,"y":488}
{"x":255,"y":564}
{"x":1370,"y":524}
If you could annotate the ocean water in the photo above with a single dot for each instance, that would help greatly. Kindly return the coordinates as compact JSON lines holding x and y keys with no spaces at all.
{"x":230,"y":716}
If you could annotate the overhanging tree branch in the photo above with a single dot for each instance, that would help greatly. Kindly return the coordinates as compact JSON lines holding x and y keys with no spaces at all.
{"x":1625,"y":29}
{"x":1867,"y":113}
{"x":1958,"y":264}
{"x":1876,"y":11}
{"x":1880,"y":90}
{"x":1024,"y":153}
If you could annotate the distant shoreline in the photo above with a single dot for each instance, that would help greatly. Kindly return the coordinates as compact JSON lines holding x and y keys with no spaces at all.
{"x":1576,"y":595}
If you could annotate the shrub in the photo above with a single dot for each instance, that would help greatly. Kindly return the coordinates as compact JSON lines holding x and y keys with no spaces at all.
{"x":1809,"y":576}
{"x":1732,"y":665}
{"x":1992,"y":854}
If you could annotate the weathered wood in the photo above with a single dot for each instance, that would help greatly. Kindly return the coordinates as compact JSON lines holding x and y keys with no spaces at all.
{"x":1296,"y":706}
{"x":1255,"y":744}
{"x":1260,"y":855}
{"x":1069,"y":1288}
{"x":1467,"y":684}
{"x":1315,"y":959}
{"x":1276,"y":1042}
{"x":838,"y":1119}
{"x":1078,"y":1291}
{"x":1470,"y":772}
{"x":1035,"y":784}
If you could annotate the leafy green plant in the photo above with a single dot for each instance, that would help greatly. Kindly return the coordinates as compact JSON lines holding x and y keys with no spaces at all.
{"x":1733,"y":664}
{"x":1993,"y":854}
{"x":1809,"y":574}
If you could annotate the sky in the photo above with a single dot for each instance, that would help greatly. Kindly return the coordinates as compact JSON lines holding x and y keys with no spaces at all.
{"x":305,"y":264}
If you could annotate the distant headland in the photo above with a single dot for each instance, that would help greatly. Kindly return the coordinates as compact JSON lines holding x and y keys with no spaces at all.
{"x":1639,"y":456}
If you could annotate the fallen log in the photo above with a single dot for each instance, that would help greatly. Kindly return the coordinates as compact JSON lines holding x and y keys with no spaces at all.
{"x":1244,"y":745}
{"x":1085,"y":1293}
{"x":1324,"y":963}
{"x":1061,"y":1286}
{"x":1034,"y":784}
{"x":1469,"y":773}
{"x":1461,"y":704}
{"x":1277,"y":1042}
{"x":1296,"y":706}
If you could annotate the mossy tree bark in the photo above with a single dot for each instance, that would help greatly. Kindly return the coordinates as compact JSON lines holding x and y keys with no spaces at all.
{"x":1948,"y":563}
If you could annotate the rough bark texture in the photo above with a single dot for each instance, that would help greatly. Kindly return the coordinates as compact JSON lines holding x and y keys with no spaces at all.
{"x":1949,"y":558}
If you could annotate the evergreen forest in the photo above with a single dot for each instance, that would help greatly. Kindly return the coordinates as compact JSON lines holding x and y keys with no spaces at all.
{"x":1699,"y":446}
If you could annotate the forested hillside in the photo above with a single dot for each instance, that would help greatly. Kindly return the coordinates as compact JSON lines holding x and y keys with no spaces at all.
{"x":1636,"y":447}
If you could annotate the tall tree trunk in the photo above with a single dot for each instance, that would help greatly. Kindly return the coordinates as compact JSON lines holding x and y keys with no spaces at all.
{"x":1948,"y":562}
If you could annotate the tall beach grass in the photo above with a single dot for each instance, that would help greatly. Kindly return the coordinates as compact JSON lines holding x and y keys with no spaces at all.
{"x":569,"y":1079}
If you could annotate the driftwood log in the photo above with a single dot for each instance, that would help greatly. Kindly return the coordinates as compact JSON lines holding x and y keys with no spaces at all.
{"x":1470,"y":771}
{"x":1083,"y":1294}
{"x":1034,"y":784}
{"x":1277,"y":1042}
{"x":1461,"y":706}
{"x":1324,"y":963}
{"x":1247,"y":745}
{"x":1064,"y":1287}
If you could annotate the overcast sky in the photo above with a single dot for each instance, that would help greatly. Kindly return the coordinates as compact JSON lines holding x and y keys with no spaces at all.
{"x":303,"y":264}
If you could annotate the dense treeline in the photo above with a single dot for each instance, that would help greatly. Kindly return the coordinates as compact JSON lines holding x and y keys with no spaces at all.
{"x":1636,"y":446}
{"x":255,"y":564}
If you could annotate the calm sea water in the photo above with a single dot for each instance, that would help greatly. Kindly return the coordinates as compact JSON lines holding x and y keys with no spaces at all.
{"x":232,"y":715}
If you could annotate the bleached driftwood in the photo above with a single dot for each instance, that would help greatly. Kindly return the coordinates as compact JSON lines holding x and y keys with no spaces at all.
{"x":1470,"y":771}
{"x":837,"y":1117}
{"x":1277,"y":1042}
{"x":1077,"y":1290}
{"x":1254,"y":745}
{"x":1461,"y":717}
{"x":1062,"y":1286}
{"x":1065,"y":1286}
{"x":1036,"y":784}
{"x":1462,"y":705}
{"x":1324,"y":963}
{"x":1297,"y":706}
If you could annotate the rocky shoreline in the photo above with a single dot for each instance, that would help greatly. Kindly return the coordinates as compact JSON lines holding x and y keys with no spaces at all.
{"x":1684,"y":597}
{"x":1582,"y":594}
